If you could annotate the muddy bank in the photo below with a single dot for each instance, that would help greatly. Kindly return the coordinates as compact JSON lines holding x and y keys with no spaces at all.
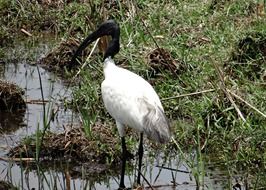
{"x":99,"y":149}
{"x":7,"y":186}
{"x":11,"y":96}
{"x":59,"y":57}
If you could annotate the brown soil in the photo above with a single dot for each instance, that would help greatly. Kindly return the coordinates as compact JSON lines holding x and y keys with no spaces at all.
{"x":73,"y":146}
{"x":161,"y":60}
{"x":4,"y":185}
{"x":253,"y":46}
{"x":60,"y":56}
{"x":11,"y":96}
{"x":58,"y":59}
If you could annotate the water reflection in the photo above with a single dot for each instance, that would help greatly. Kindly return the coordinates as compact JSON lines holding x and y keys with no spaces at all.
{"x":64,"y":176}
{"x":16,"y":125}
{"x":174,"y":174}
{"x":26,"y":77}
{"x":11,"y":121}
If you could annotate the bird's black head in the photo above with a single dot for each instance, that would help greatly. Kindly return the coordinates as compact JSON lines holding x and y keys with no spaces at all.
{"x":112,"y":49}
{"x":110,"y":28}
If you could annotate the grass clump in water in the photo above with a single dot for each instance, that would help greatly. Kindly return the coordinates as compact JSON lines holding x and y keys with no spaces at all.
{"x":11,"y":97}
{"x":201,"y":35}
{"x":73,"y":146}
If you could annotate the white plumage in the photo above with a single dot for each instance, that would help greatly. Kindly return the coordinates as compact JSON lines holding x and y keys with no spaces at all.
{"x":132,"y":102}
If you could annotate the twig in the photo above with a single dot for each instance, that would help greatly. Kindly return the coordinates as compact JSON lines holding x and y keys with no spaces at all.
{"x":16,"y":159}
{"x":223,"y":86}
{"x":26,"y":32}
{"x":37,"y":101}
{"x":145,"y":26}
{"x":172,"y":169}
{"x":146,"y":180}
{"x":251,"y":106}
{"x":85,"y":63}
{"x":189,"y":94}
{"x":164,"y":186}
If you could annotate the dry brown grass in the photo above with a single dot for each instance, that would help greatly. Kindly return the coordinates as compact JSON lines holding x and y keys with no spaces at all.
{"x":11,"y":96}
{"x":73,"y":145}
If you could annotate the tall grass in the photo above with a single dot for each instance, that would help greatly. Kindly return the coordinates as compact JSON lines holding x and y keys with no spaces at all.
{"x":199,"y":35}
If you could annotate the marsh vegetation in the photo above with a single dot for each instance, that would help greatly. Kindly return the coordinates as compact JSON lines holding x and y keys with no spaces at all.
{"x":206,"y":60}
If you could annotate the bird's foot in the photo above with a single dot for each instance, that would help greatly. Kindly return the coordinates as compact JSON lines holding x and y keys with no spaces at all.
{"x":124,"y":188}
{"x":137,"y":186}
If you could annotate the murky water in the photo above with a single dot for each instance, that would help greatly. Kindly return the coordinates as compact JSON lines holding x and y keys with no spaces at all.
{"x":21,"y":124}
{"x":26,"y":77}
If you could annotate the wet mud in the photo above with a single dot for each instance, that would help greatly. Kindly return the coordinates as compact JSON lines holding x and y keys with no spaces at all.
{"x":59,"y":57}
{"x":4,"y":185}
{"x":75,"y":147}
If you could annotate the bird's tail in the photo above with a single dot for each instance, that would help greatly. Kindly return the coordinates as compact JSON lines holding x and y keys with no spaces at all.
{"x":156,"y":125}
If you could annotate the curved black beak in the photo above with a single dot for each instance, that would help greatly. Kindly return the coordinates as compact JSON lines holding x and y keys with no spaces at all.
{"x":109,"y":27}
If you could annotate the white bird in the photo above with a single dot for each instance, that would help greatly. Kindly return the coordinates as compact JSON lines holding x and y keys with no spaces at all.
{"x":128,"y":98}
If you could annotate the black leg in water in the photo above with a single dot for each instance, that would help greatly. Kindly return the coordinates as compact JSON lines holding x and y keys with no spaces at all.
{"x":140,"y":152}
{"x":123,"y":168}
{"x":126,"y":155}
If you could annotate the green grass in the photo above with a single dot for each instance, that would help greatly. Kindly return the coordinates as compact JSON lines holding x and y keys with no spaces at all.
{"x":198,"y":35}
{"x":235,"y":142}
{"x":184,"y":27}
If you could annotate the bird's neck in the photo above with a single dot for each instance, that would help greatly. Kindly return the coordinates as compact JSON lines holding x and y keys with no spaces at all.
{"x":109,"y":66}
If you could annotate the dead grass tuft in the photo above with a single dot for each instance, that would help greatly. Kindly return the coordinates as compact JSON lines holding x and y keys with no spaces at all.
{"x":11,"y":96}
{"x":161,"y":60}
{"x":249,"y":57}
{"x":74,"y":146}
{"x":59,"y":58}
{"x":252,"y":47}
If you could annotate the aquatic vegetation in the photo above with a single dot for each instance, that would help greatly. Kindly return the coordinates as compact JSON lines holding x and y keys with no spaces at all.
{"x":11,"y":96}
{"x":210,"y":73}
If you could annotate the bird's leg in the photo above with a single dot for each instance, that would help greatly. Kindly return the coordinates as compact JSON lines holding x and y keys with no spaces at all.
{"x":140,"y":152}
{"x":128,"y":155}
{"x":121,"y":130}
{"x":124,"y":157}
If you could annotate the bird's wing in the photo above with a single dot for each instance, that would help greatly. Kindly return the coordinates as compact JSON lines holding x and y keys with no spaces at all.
{"x":155,"y":123}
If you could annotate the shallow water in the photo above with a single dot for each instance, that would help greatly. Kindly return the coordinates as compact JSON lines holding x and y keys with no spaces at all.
{"x":64,"y":178}
{"x":18,"y":125}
